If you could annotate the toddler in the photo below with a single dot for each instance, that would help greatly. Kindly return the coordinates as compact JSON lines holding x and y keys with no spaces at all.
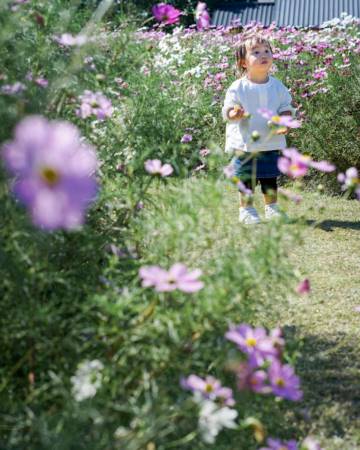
{"x":248,"y":135}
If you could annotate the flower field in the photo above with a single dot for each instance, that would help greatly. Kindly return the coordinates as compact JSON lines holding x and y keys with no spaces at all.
{"x":136,"y":312}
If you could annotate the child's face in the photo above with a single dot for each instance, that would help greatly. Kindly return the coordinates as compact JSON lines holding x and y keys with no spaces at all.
{"x":258,"y":59}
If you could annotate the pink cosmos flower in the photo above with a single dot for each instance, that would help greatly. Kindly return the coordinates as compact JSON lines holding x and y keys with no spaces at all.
{"x":177,"y":277}
{"x":42,"y":82}
{"x":210,"y":388}
{"x":303,"y":287}
{"x":155,"y":167}
{"x":202,"y":16}
{"x":294,"y":164}
{"x":94,"y":104}
{"x":284,"y":382}
{"x":282,"y":121}
{"x":166,"y":14}
{"x":54,"y":172}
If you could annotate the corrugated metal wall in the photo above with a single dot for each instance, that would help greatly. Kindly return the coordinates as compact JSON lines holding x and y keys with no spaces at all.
{"x":299,"y":13}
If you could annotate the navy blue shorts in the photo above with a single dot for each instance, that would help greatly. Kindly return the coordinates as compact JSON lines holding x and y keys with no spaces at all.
{"x":265,"y":165}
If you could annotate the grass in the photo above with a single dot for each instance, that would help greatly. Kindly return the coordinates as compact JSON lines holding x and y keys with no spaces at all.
{"x":324,"y":323}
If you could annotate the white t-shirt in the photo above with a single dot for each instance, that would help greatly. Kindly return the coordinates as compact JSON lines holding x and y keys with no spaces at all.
{"x":252,"y":96}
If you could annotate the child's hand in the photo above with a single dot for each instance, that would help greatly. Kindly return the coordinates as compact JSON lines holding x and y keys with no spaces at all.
{"x":236,"y":113}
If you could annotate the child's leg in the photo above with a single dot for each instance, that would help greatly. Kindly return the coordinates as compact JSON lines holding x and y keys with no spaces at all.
{"x":269,"y":189}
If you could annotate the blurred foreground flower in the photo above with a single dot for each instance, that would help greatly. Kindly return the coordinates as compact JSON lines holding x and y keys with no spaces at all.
{"x":54,"y":172}
{"x":202,"y":16}
{"x":96,"y":104}
{"x":155,"y":167}
{"x":213,"y":419}
{"x":177,"y":277}
{"x":210,"y":388}
{"x":350,"y":180}
{"x":166,"y":14}
{"x":294,"y":164}
{"x":87,"y":379}
{"x":296,"y":198}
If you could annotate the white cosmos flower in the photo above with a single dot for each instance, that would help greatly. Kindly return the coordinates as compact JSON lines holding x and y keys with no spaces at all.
{"x":213,"y":419}
{"x":87,"y":379}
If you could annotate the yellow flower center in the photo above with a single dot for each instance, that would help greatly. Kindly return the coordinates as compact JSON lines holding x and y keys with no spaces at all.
{"x":280,"y":382}
{"x":50,"y":176}
{"x":275,"y":119}
{"x":251,"y":342}
{"x":209,"y":388}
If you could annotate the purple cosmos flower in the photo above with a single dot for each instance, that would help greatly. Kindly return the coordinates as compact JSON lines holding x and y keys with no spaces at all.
{"x":94,"y":103}
{"x":54,"y":172}
{"x":283,"y":121}
{"x":303,"y":287}
{"x":155,"y":167}
{"x":68,"y":40}
{"x":186,"y":138}
{"x":166,"y":14}
{"x":254,"y":342}
{"x":13,"y":89}
{"x":202,"y":16}
{"x":310,"y":444}
{"x":177,"y":277}
{"x":350,"y":180}
{"x":276,"y":444}
{"x":284,"y":382}
{"x":210,"y":388}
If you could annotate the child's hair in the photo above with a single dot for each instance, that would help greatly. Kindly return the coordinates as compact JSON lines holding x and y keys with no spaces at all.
{"x":245,"y":45}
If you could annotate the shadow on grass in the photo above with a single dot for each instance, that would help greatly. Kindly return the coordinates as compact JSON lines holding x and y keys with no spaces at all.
{"x":329,"y":225}
{"x":329,"y":372}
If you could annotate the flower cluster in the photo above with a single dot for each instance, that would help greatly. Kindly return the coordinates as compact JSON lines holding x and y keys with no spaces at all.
{"x":263,"y":371}
{"x":178,"y":277}
{"x":54,"y":172}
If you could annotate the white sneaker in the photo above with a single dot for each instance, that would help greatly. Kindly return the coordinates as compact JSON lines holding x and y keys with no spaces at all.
{"x":249,"y":216}
{"x":272,"y":211}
